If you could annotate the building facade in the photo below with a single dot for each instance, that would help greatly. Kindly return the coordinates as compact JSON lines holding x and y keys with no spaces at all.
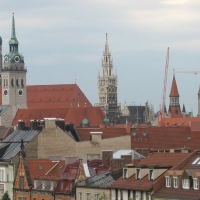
{"x":107,"y":87}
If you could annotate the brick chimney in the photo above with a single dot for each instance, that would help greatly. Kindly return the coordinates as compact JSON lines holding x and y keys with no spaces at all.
{"x":127,"y":158}
{"x":106,"y":156}
{"x":116,"y":164}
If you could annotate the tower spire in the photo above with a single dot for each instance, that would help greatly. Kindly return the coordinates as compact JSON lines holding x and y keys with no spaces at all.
{"x":13,"y":34}
{"x":106,"y":45}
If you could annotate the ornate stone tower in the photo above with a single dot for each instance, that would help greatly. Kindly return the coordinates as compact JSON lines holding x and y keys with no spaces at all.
{"x":174,"y":106}
{"x":13,"y":79}
{"x":107,"y":87}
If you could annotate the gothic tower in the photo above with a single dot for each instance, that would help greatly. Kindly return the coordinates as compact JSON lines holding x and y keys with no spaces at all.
{"x":174,"y":106}
{"x":13,"y":79}
{"x":107,"y":87}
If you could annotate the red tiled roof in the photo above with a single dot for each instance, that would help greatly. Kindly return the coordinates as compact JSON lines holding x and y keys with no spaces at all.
{"x":74,"y":115}
{"x":36,"y":171}
{"x":54,"y":96}
{"x":184,"y":121}
{"x":174,"y":90}
{"x":159,"y":159}
{"x":163,"y":159}
{"x":108,"y":132}
{"x":165,"y":138}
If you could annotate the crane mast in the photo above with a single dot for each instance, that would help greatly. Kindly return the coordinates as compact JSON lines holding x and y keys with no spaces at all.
{"x":164,"y":89}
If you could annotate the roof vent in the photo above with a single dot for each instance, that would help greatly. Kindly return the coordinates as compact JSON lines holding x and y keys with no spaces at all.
{"x":40,"y":167}
{"x":189,"y":138}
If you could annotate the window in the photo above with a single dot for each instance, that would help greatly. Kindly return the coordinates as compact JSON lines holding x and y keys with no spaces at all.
{"x":35,"y":183}
{"x":88,"y":196}
{"x":125,"y":173}
{"x":21,"y":198}
{"x":43,"y":184}
{"x":196,"y":183}
{"x":151,"y":174}
{"x":21,"y":182}
{"x":80,"y":195}
{"x":1,"y":189}
{"x":96,"y":196}
{"x":52,"y":185}
{"x":196,"y":161}
{"x":12,"y":82}
{"x":34,"y":198}
{"x":168,"y":181}
{"x":186,"y":183}
{"x":175,"y":182}
{"x":138,"y":174}
{"x":22,"y":82}
{"x":17,"y":83}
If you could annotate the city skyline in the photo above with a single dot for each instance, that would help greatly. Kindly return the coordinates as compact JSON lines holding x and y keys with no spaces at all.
{"x":63,"y":43}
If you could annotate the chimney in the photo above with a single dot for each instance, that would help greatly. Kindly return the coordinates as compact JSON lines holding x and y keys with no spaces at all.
{"x":21,"y":124}
{"x":127,"y":158}
{"x":116,"y":164}
{"x":106,"y":156}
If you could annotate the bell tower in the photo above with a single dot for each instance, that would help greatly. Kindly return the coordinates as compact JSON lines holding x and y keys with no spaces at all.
{"x":107,"y":87}
{"x":174,"y":101}
{"x":13,"y":76}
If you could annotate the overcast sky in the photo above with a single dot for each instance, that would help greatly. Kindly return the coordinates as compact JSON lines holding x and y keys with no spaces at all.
{"x":64,"y":39}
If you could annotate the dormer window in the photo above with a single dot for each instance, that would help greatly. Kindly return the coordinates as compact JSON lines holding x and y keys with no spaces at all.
{"x":52,"y":185}
{"x":151,"y":174}
{"x":186,"y":183}
{"x":195,"y":183}
{"x":175,"y":182}
{"x":138,"y":174}
{"x":168,"y":181}
{"x":125,"y":173}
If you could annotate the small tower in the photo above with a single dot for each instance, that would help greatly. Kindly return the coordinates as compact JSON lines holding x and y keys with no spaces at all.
{"x":107,"y":86}
{"x":13,"y":79}
{"x":174,"y":101}
{"x":198,"y":103}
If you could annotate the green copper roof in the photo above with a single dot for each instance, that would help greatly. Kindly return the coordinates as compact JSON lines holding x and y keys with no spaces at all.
{"x":106,"y":121}
{"x":13,"y":39}
{"x":85,"y":121}
{"x":0,"y":40}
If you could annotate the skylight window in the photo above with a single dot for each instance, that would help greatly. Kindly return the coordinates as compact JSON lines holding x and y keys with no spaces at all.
{"x":196,"y":161}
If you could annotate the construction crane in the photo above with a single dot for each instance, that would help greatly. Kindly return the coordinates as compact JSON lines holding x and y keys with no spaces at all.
{"x":162,"y":114}
{"x":191,"y":72}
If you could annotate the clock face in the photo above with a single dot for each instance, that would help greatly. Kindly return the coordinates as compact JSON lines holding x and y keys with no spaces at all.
{"x":5,"y":92}
{"x":20,"y":92}
{"x":6,"y":59}
{"x":17,"y":59}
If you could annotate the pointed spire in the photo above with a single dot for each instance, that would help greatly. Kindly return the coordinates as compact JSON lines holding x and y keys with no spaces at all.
{"x":106,"y":45}
{"x":183,"y":110}
{"x":13,"y":34}
{"x":174,"y":89}
{"x":165,"y":110}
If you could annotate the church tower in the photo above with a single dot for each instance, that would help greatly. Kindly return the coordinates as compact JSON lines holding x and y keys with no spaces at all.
{"x":107,"y":87}
{"x":13,"y":77}
{"x":174,"y":101}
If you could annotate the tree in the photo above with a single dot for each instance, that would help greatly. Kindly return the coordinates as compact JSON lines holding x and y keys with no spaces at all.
{"x":6,"y":196}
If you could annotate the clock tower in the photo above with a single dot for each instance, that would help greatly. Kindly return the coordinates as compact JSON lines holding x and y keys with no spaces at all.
{"x":107,"y":87}
{"x":13,"y":77}
{"x":174,"y":101}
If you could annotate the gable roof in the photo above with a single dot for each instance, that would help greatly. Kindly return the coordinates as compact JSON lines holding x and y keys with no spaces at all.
{"x":54,"y":96}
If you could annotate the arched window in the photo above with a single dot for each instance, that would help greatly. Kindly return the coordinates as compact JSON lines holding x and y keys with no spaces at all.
{"x":22,"y":82}
{"x":17,"y":83}
{"x":6,"y":82}
{"x":12,"y":82}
